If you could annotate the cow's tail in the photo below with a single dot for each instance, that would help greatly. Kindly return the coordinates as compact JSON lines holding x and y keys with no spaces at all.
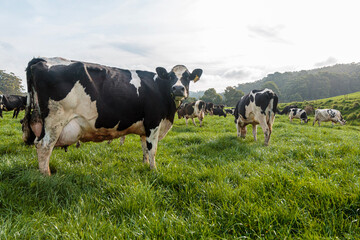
{"x":28,"y":135}
{"x":275,"y":103}
{"x":236,"y":112}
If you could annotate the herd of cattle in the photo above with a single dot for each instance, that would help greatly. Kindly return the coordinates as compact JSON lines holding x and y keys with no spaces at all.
{"x":71,"y":101}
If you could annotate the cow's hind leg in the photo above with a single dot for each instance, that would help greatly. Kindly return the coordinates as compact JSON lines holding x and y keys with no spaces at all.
{"x":145,"y":149}
{"x":254,"y":130}
{"x":45,"y":146}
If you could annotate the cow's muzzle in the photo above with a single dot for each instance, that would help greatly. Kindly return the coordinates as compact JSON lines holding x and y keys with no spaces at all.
{"x":178,"y":92}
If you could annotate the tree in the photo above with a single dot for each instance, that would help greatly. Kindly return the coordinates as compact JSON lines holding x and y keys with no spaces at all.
{"x":232,"y":96}
{"x":210,"y":95}
{"x":10,"y":84}
{"x":272,"y":85}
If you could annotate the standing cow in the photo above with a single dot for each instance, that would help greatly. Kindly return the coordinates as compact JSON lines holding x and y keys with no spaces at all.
{"x":192,"y":110}
{"x":326,"y":115}
{"x":298,"y":113}
{"x":257,"y":107}
{"x":12,"y":102}
{"x":71,"y":101}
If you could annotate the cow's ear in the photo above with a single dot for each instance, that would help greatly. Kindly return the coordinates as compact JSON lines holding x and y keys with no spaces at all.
{"x":162,"y":73}
{"x":196,"y":74}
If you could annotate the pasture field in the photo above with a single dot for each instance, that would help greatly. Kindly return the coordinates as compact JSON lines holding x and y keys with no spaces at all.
{"x":209,"y":185}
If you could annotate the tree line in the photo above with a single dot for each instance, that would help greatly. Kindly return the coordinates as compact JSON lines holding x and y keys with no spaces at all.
{"x":298,"y":86}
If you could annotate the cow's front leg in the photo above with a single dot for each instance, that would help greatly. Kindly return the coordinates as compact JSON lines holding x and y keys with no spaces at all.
{"x":186,"y":120}
{"x":200,"y":120}
{"x":151,"y":144}
{"x":145,"y":149}
{"x":193,"y":120}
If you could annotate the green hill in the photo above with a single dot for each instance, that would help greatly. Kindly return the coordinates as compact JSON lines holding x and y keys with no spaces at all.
{"x":348,"y":105}
{"x":312,"y":84}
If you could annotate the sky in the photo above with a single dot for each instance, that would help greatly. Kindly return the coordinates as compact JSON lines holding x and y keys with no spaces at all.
{"x":233,"y":41}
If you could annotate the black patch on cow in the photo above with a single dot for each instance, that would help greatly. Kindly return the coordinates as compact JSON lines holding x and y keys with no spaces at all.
{"x":201,"y":105}
{"x":303,"y":115}
{"x":252,"y":98}
{"x":331,"y":113}
{"x":262,"y":100}
{"x":149,"y":145}
{"x":240,"y":106}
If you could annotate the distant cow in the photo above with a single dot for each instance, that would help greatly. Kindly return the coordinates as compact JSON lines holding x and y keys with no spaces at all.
{"x":192,"y":110}
{"x":286,"y":109}
{"x":298,"y":113}
{"x":72,"y":100}
{"x":257,"y":107}
{"x":209,"y":108}
{"x":12,"y":102}
{"x":326,"y":115}
{"x":219,"y":111}
{"x":230,"y":111}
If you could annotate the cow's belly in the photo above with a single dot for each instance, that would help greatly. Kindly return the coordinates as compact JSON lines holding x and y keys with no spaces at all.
{"x":250,"y":119}
{"x":79,"y":129}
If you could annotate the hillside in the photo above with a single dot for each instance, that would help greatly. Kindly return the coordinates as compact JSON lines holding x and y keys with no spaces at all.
{"x":312,"y":84}
{"x":348,"y":105}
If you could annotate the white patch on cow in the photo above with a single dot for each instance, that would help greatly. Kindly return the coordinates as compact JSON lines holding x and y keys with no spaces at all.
{"x":165,"y":126}
{"x":57,"y":61}
{"x":135,"y":80}
{"x":155,"y":77}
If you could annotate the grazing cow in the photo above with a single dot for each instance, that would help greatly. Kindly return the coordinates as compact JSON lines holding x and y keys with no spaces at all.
{"x":209,"y":108}
{"x":298,"y":113}
{"x":72,"y":100}
{"x":230,"y":111}
{"x":326,"y":115}
{"x":219,"y":111}
{"x":12,"y":102}
{"x":257,"y":107}
{"x":286,"y":109}
{"x":192,"y":110}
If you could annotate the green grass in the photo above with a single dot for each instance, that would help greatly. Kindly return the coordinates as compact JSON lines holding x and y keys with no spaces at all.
{"x":209,"y":185}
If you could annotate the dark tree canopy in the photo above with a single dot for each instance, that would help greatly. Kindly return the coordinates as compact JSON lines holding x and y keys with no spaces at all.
{"x":210,"y":95}
{"x":232,"y":96}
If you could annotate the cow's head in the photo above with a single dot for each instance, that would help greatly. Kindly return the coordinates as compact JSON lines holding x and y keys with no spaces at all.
{"x":342,"y":121}
{"x":179,"y":78}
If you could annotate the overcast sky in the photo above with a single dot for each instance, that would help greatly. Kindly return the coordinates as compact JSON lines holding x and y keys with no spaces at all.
{"x":233,"y":41}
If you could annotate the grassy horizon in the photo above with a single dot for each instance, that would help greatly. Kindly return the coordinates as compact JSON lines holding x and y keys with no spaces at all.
{"x":209,"y":185}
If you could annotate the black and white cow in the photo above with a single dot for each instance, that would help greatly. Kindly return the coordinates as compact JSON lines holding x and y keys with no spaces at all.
{"x":219,"y":111}
{"x":298,"y":113}
{"x":14,"y":103}
{"x":326,"y":115}
{"x":72,"y":100}
{"x":286,"y":109}
{"x":257,"y":107}
{"x":192,"y":110}
{"x":230,"y":111}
